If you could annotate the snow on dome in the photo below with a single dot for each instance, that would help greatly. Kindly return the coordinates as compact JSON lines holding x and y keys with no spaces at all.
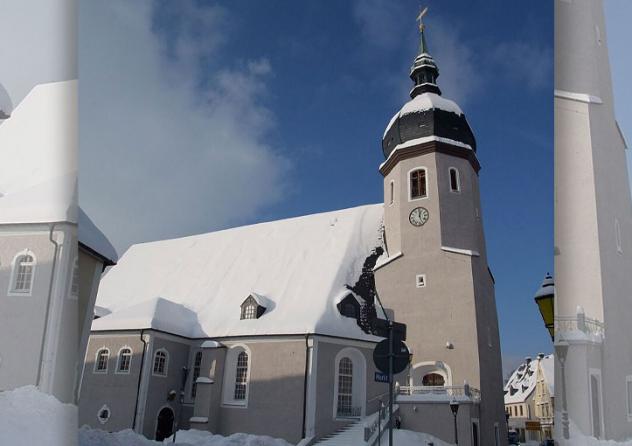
{"x":6,"y":106}
{"x":92,"y":237}
{"x":300,"y":264}
{"x":547,"y":288}
{"x":423,"y":102}
{"x":38,"y":175}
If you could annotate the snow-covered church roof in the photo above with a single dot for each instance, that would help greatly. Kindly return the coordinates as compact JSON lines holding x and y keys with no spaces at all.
{"x":522,"y":381}
{"x":194,"y":286}
{"x":38,"y":172}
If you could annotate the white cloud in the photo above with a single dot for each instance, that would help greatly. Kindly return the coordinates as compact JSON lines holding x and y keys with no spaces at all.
{"x":37,"y":44}
{"x":524,"y":63}
{"x":162,"y":156}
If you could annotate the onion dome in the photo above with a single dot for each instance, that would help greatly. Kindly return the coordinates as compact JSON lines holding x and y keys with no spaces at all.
{"x":427,"y":113}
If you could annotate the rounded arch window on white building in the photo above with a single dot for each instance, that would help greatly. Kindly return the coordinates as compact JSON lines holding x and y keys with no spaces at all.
{"x":161,"y":362}
{"x":431,"y":374}
{"x":124,"y":360}
{"x":350,"y":384}
{"x":23,"y":273}
{"x":101,"y":360}
{"x":237,"y":376}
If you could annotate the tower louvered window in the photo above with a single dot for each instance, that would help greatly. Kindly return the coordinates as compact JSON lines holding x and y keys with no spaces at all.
{"x":418,"y":186}
{"x":241,"y":377}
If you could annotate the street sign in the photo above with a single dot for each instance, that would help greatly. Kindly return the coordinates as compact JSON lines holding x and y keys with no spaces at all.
{"x":381,"y":377}
{"x":401,"y":356}
{"x":381,"y":327}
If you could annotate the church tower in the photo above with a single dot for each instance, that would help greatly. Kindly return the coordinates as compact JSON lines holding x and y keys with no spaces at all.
{"x":593,"y":230}
{"x":435,"y":278}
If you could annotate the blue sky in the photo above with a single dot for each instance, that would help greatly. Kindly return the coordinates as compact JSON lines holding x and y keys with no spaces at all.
{"x":200,"y":115}
{"x":618,"y":18}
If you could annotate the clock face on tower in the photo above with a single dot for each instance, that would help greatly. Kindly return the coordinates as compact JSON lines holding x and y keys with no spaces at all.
{"x":418,"y":216}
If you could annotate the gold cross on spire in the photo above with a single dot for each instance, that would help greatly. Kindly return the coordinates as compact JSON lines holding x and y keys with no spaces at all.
{"x":420,"y":18}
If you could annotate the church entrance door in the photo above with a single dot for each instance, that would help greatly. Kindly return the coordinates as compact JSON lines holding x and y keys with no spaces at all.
{"x":164,"y":425}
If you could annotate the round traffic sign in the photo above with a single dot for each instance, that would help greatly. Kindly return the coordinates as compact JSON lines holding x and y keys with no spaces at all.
{"x":401,"y":356}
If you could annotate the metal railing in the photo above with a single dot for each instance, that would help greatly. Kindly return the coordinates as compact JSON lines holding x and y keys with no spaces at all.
{"x":349,"y":412}
{"x":579,"y":323}
{"x":448,"y":391}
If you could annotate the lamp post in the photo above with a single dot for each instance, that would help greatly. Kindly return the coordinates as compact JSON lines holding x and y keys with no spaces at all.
{"x":454,"y":407}
{"x":561,"y":350}
{"x":545,"y":299}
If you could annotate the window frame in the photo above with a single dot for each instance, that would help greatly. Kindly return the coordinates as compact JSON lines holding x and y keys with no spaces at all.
{"x":359,"y":381}
{"x":15,"y":265}
{"x":410,"y":180}
{"x":420,"y":281}
{"x":119,"y":358}
{"x":166,"y":364}
{"x":95,"y":368}
{"x":392,"y":193}
{"x":457,"y":176}
{"x":230,"y":377}
{"x":195,"y":373}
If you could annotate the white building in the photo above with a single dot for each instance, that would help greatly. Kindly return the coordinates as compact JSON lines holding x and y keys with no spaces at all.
{"x":593,"y":231}
{"x":43,"y":291}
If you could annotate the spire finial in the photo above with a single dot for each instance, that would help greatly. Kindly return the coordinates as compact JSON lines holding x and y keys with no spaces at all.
{"x":420,"y":18}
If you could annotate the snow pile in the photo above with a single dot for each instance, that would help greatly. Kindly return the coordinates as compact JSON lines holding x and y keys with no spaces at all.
{"x":402,"y":437}
{"x":577,"y":438}
{"x":299,"y":266}
{"x":96,"y":437}
{"x":29,"y":417}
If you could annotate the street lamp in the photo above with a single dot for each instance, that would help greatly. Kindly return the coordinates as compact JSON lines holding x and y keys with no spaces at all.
{"x":561,"y":350}
{"x":545,"y":298}
{"x":454,"y":407}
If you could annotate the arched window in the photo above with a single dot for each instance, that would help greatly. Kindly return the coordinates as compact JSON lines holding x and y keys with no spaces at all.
{"x":197,"y":365}
{"x":124,"y":360}
{"x":392,"y":193}
{"x":418,"y":184}
{"x":455,"y":181}
{"x":236,"y":376}
{"x":350,"y":384}
{"x":161,"y":362}
{"x":101,"y":362}
{"x":345,"y":388}
{"x":241,"y":377}
{"x":433,"y":379}
{"x":23,"y":271}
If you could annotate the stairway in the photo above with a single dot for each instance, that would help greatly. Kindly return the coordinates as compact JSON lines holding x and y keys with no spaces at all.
{"x":350,"y":435}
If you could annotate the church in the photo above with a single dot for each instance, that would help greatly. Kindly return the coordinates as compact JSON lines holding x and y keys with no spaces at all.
{"x":266,"y":329}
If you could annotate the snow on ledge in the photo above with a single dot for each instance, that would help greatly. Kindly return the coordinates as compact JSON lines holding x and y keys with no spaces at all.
{"x":425,"y":139}
{"x":466,"y":252}
{"x":212,"y":344}
{"x":579,"y":97}
{"x":383,"y":261}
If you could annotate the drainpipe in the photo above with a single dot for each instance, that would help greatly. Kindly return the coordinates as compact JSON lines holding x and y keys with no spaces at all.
{"x":305,"y":385}
{"x":48,"y":302}
{"x":140,"y":377}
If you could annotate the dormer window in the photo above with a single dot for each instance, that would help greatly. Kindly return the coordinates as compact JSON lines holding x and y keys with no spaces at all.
{"x":252,"y":307}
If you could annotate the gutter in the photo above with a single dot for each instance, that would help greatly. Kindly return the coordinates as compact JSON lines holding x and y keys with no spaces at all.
{"x":305,"y":385}
{"x":48,"y":301}
{"x":140,"y":377}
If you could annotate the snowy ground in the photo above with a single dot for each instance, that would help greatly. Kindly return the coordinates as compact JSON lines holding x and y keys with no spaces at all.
{"x":578,"y":439}
{"x":94,"y":437}
{"x":409,"y":438}
{"x":31,"y":418}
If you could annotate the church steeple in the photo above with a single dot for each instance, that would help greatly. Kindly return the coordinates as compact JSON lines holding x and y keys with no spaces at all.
{"x":424,"y":71}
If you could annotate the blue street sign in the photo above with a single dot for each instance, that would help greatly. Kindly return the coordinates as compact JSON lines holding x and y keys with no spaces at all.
{"x":381,"y":377}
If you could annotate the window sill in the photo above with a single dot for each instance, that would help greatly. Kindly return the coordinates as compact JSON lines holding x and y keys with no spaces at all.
{"x":410,"y":200}
{"x":235,"y":405}
{"x":20,"y":294}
